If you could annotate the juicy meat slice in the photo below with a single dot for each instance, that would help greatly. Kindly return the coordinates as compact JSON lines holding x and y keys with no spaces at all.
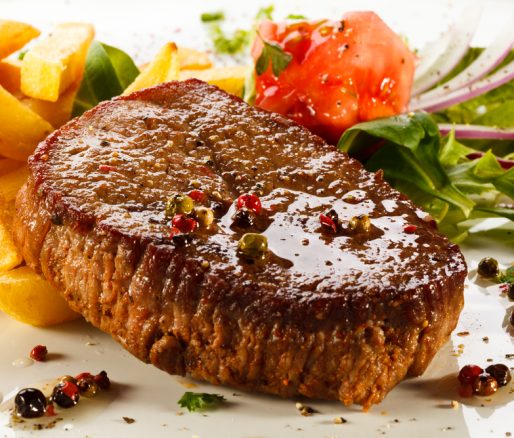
{"x":337,"y":316}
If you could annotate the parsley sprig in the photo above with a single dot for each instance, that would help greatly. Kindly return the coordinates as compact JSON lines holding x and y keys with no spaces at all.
{"x":199,"y":401}
{"x":274,"y":53}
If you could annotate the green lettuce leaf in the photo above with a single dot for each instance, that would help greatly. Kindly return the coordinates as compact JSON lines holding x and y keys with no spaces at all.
{"x":433,"y":171}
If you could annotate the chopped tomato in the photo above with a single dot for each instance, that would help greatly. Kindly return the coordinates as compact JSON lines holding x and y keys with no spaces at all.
{"x":341,"y":72}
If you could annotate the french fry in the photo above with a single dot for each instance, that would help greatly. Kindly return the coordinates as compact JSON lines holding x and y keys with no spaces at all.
{"x":10,"y":257}
{"x":56,"y":62}
{"x":14,"y":35}
{"x":7,"y":165}
{"x":28,"y":297}
{"x":163,"y":68}
{"x":11,"y":182}
{"x":56,"y":113}
{"x":230,"y":79}
{"x":20,"y":128}
{"x":10,"y":74}
{"x":191,"y":59}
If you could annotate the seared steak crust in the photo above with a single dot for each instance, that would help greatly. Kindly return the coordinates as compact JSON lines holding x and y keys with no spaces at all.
{"x":343,"y":316}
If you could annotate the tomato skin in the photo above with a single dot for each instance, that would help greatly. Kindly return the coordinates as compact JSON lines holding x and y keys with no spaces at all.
{"x":342,"y":72}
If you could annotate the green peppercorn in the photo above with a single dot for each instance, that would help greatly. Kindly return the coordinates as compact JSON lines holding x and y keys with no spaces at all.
{"x":204,"y":216}
{"x":360,"y":224}
{"x":253,"y":245}
{"x":178,"y":203}
{"x":67,"y":379}
{"x":488,"y":268}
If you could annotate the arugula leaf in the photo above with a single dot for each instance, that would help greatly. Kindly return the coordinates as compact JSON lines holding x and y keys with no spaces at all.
{"x":196,"y":401}
{"x":433,"y":171}
{"x":107,"y":73}
{"x":272,"y":52}
{"x":207,"y":17}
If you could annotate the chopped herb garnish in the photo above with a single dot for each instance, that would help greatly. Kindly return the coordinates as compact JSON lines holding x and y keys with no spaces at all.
{"x":22,"y":54}
{"x":240,"y":39}
{"x":265,"y":13}
{"x":272,"y":52}
{"x":296,"y":17}
{"x":198,"y":401}
{"x":508,"y":276}
{"x":229,"y":44}
{"x":208,"y":17}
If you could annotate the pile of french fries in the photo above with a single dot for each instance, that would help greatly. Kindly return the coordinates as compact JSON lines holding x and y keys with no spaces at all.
{"x":37,"y":91}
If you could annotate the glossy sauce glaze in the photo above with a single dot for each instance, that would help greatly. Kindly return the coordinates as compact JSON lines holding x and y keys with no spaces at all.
{"x":175,"y":142}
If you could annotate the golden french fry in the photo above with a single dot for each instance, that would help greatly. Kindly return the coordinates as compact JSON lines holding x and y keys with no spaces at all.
{"x":14,"y":35}
{"x":230,"y":79}
{"x":56,"y":62}
{"x":10,"y":74}
{"x":163,"y":68}
{"x":191,"y":59}
{"x":28,"y":297}
{"x":20,"y":128}
{"x":10,"y":257}
{"x":56,"y":113}
{"x":7,"y":165}
{"x":11,"y":182}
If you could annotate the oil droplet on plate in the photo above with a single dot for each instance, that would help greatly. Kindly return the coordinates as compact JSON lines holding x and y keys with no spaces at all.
{"x":22,"y":362}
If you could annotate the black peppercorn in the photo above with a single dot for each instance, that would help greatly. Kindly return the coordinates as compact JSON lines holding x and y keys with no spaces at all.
{"x":66,"y":394}
{"x":30,"y":403}
{"x":500,"y":372}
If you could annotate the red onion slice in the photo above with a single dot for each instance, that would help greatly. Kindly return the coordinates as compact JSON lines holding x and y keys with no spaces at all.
{"x":489,"y":59}
{"x":440,"y":58}
{"x":502,"y":76}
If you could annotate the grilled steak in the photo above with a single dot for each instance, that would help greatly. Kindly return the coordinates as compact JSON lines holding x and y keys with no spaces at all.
{"x":343,"y":313}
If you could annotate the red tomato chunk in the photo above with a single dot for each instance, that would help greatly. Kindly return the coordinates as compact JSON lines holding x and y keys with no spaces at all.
{"x":342,"y":72}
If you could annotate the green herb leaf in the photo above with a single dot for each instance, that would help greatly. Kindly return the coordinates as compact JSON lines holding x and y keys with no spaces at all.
{"x":410,"y":155}
{"x":296,"y":17}
{"x":107,"y":73}
{"x":272,"y":52}
{"x":22,"y":54}
{"x":229,"y":44}
{"x":196,"y":401}
{"x":265,"y":13}
{"x":249,"y":91}
{"x":208,"y":17}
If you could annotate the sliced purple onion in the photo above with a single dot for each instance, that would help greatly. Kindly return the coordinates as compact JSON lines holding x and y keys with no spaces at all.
{"x":502,"y":76}
{"x":488,"y":60}
{"x":505,"y":164}
{"x":441,"y":57}
{"x":476,"y":132}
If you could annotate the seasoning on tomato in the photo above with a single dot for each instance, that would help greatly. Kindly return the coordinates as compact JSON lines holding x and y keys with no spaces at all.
{"x":332,"y":74}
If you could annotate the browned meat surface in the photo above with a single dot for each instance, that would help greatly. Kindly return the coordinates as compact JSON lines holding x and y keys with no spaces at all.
{"x":337,"y":316}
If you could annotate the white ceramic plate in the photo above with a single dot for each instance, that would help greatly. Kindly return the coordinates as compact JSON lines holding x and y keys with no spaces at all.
{"x":418,"y":407}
